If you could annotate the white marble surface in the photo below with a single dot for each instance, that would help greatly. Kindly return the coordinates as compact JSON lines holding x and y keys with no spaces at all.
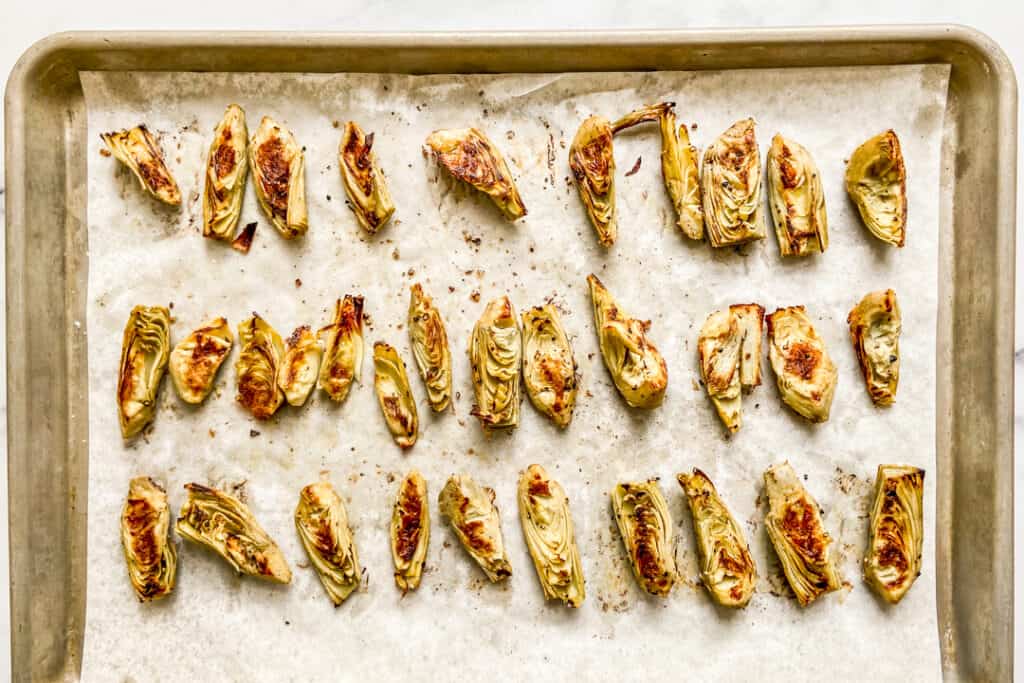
{"x":999,"y":19}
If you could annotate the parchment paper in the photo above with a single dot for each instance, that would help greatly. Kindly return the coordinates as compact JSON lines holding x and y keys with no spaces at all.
{"x":217,"y":626}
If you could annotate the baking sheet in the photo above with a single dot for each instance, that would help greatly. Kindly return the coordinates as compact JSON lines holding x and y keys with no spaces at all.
{"x":219,"y":626}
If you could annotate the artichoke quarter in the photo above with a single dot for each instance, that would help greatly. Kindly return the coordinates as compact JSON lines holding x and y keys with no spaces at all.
{"x":410,"y":531}
{"x":876,"y":180}
{"x":279,"y":173}
{"x":197,"y":358}
{"x":343,"y":348}
{"x":875,"y":326}
{"x":549,"y":369}
{"x":645,"y":525}
{"x":592,"y":163}
{"x":257,"y":367}
{"x":796,"y":198}
{"x":804,"y":372}
{"x":364,"y":183}
{"x":148,"y":551}
{"x":893,"y":559}
{"x":322,"y":525}
{"x":429,"y":342}
{"x":719,"y":347}
{"x":137,"y":149}
{"x":471,"y":511}
{"x":145,"y":349}
{"x":680,"y":171}
{"x":394,"y":395}
{"x":731,"y":187}
{"x":495,"y":355}
{"x":300,"y":366}
{"x":226,"y":168}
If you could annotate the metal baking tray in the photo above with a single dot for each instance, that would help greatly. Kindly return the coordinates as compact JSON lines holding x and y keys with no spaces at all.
{"x":47,"y":269}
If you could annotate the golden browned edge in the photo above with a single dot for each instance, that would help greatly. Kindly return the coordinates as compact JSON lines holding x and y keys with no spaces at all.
{"x":45,"y":149}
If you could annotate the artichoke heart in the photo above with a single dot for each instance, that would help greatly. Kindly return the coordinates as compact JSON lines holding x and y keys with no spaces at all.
{"x":796,"y":198}
{"x":726,"y":566}
{"x":642,"y":516}
{"x":471,"y":511}
{"x":145,"y":349}
{"x":150,"y":554}
{"x":893,"y":559}
{"x":226,"y":168}
{"x":343,"y":348}
{"x":322,"y":524}
{"x":876,"y":180}
{"x":430,"y":348}
{"x":472,"y":158}
{"x":731,"y":187}
{"x":495,"y":354}
{"x":636,"y":366}
{"x":137,"y":149}
{"x":719,"y":347}
{"x":796,"y":531}
{"x":279,"y":172}
{"x":197,"y":358}
{"x":257,"y":367}
{"x":550,"y":538}
{"x":549,"y":369}
{"x":750,"y":318}
{"x":875,"y":327}
{"x":410,"y":531}
{"x":394,"y":395}
{"x":225,"y":525}
{"x":300,"y":366}
{"x":803,"y":369}
{"x":593,"y":167}
{"x":680,"y":171}
{"x":364,"y":183}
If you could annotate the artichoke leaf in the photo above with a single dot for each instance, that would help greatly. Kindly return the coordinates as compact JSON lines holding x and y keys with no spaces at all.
{"x":796,"y":198}
{"x":137,"y":149}
{"x":719,"y":348}
{"x":429,"y":342}
{"x":226,"y":168}
{"x":731,"y":187}
{"x":645,"y":525}
{"x":257,"y":367}
{"x":893,"y":559}
{"x":592,"y":163}
{"x":875,"y":326}
{"x":394,"y":395}
{"x":804,"y":372}
{"x":300,"y":366}
{"x":322,"y":525}
{"x":468,"y":155}
{"x":680,"y":171}
{"x":279,"y":172}
{"x":364,"y":183}
{"x":410,"y":531}
{"x":145,"y":349}
{"x":195,"y":361}
{"x":549,"y":368}
{"x":148,"y":550}
{"x":471,"y":511}
{"x":876,"y":180}
{"x":750,"y":318}
{"x":495,"y":354}
{"x":343,"y":348}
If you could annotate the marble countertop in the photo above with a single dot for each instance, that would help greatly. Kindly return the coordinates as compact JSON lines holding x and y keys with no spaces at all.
{"x":999,"y":19}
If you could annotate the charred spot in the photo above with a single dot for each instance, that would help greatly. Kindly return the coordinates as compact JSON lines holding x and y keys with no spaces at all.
{"x":802,"y":359}
{"x":297,"y":335}
{"x":358,"y":160}
{"x":224,"y":157}
{"x":802,"y":529}
{"x":648,"y":559}
{"x":410,"y":523}
{"x":394,"y":412}
{"x":275,"y":175}
{"x":243,"y":242}
{"x":257,"y":395}
{"x":153,"y":173}
{"x":788,"y":173}
{"x":538,"y":487}
{"x":476,"y":537}
{"x":474,"y":163}
{"x":141,"y":518}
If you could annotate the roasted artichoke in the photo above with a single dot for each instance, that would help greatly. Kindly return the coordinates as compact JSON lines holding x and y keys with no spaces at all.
{"x":875,"y":327}
{"x":731,"y":187}
{"x":795,"y":529}
{"x":726,"y":566}
{"x":549,"y":369}
{"x":197,"y":358}
{"x":322,"y":524}
{"x":148,"y":550}
{"x":893,"y":559}
{"x":137,"y":149}
{"x":636,"y":366}
{"x":471,"y":511}
{"x":796,"y":198}
{"x":364,"y":183}
{"x":719,"y":347}
{"x":410,"y":531}
{"x":226,"y":526}
{"x":550,"y":538}
{"x":394,"y":395}
{"x":472,"y":158}
{"x":300,"y":366}
{"x":803,"y":369}
{"x":430,"y":348}
{"x":257,"y":367}
{"x":343,"y":348}
{"x":593,"y":167}
{"x":226,"y":168}
{"x":145,"y":349}
{"x":495,"y":354}
{"x":679,"y":168}
{"x":876,"y":180}
{"x":646,"y":528}
{"x":750,"y":318}
{"x":279,"y":172}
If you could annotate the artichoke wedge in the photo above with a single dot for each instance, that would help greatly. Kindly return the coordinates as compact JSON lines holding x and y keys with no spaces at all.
{"x":226,"y":526}
{"x":893,"y":559}
{"x":876,"y":180}
{"x":495,"y":356}
{"x":875,"y":327}
{"x":750,"y":318}
{"x":300,"y":366}
{"x":679,"y":169}
{"x":394,"y":395}
{"x":343,"y":348}
{"x":803,"y":369}
{"x":720,"y":347}
{"x":593,"y":167}
{"x":197,"y":358}
{"x":279,"y":172}
{"x":430,"y":348}
{"x":149,"y":552}
{"x":471,"y":511}
{"x":796,"y":198}
{"x":550,"y":538}
{"x":472,"y":158}
{"x":636,"y":366}
{"x":226,"y":168}
{"x":410,"y":531}
{"x":795,"y":529}
{"x":257,"y":367}
{"x":549,"y":369}
{"x":726,"y":566}
{"x":322,"y":523}
{"x":731,"y":187}
{"x":137,"y":149}
{"x":646,"y":528}
{"x":145,"y":349}
{"x":365,"y":185}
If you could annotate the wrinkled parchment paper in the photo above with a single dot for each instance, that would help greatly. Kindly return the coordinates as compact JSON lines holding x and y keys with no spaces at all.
{"x":217,"y":626}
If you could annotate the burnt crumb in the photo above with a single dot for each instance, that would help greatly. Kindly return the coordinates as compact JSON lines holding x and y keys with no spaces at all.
{"x":451,"y":289}
{"x":243,"y":242}
{"x":105,"y":152}
{"x":298,"y":282}
{"x":328,"y":197}
{"x":475,"y":295}
{"x":395,"y":255}
{"x":212,"y":433}
{"x":693,"y":126}
{"x":287,"y":623}
{"x":471,"y":239}
{"x":253,"y":433}
{"x":336,"y":124}
{"x":636,"y":167}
